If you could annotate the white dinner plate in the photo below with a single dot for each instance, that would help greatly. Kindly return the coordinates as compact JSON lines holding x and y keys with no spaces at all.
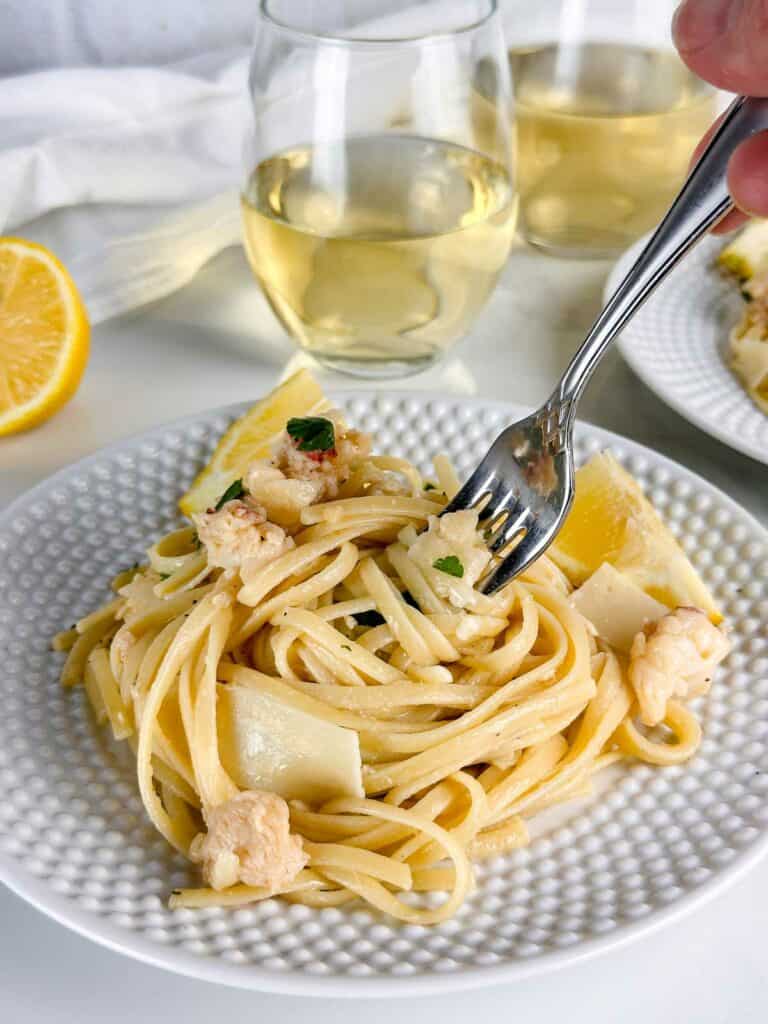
{"x":677,"y":345}
{"x":74,"y":840}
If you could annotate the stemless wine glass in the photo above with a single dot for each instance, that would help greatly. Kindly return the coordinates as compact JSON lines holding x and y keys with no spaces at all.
{"x":378,"y":199}
{"x":607,"y":118}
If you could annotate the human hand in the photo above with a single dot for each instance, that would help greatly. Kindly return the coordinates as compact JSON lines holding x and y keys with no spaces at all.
{"x":726,"y":43}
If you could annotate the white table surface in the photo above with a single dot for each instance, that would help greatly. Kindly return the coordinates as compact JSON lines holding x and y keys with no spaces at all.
{"x":215,"y":343}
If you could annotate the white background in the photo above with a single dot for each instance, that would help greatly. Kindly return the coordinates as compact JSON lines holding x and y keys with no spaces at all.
{"x":213,"y":343}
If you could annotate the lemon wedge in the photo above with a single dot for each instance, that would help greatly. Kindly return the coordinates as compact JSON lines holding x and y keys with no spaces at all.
{"x":747,"y":254}
{"x":251,"y":437}
{"x":44,"y":335}
{"x":612,"y":521}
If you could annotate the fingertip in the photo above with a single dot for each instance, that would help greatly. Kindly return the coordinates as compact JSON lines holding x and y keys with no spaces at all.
{"x":733,"y":220}
{"x":696,"y":25}
{"x":700,"y":34}
{"x":748,"y":176}
{"x":725,"y":42}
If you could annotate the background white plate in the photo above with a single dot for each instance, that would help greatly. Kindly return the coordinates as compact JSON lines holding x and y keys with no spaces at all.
{"x":677,"y":345}
{"x":74,"y":842}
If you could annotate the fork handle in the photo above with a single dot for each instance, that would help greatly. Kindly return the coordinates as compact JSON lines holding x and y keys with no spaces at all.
{"x":701,"y":203}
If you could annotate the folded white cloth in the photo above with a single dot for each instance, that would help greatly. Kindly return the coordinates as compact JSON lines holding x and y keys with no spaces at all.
{"x":130,"y":174}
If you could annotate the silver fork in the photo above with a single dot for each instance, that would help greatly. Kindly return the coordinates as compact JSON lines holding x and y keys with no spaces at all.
{"x":525,"y":483}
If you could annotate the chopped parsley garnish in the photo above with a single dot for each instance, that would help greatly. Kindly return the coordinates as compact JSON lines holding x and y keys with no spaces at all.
{"x":165,"y":575}
{"x":410,"y":599}
{"x":346,"y":647}
{"x":196,"y":542}
{"x":372,"y":618}
{"x":313,"y":433}
{"x":450,"y":565}
{"x":429,"y":486}
{"x":746,"y":295}
{"x":235,"y":490}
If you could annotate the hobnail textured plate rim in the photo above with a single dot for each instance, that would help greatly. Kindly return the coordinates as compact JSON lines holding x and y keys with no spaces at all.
{"x":648,"y":349}
{"x":40,"y":894}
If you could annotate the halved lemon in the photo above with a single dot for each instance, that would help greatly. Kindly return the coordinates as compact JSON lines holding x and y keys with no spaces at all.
{"x":44,"y":335}
{"x":251,"y":437}
{"x":612,"y":521}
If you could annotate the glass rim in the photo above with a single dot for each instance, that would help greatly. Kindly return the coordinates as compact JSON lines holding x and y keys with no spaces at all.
{"x":359,"y":41}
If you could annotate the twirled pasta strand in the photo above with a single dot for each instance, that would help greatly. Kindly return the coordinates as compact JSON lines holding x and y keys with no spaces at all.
{"x":469,"y":719}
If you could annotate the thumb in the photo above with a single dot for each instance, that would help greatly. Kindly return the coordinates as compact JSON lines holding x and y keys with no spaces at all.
{"x":725,"y":42}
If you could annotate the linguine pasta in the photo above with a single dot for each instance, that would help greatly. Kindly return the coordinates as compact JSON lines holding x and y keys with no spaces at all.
{"x":471,"y":712}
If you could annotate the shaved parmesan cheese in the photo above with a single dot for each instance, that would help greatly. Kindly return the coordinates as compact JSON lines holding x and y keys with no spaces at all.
{"x":747,"y":254}
{"x":267,"y":744}
{"x":750,"y":360}
{"x":616,"y":607}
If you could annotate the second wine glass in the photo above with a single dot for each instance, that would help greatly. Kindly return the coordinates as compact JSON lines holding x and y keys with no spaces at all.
{"x":379,"y":202}
{"x":607,"y":118}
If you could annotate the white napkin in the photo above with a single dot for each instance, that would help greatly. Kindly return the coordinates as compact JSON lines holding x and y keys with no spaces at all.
{"x":129,"y":174}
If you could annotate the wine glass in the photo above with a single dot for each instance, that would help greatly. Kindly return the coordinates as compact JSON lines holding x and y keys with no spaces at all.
{"x":378,"y":198}
{"x":607,"y":120}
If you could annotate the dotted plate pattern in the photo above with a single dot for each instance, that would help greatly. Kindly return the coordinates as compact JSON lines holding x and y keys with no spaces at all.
{"x":678,"y":346}
{"x":74,"y":840}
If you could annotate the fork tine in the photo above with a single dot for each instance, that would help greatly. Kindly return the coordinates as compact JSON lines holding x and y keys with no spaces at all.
{"x":503,"y":499}
{"x":479,"y":484}
{"x":518,"y":560}
{"x":524,"y":483}
{"x":512,"y":525}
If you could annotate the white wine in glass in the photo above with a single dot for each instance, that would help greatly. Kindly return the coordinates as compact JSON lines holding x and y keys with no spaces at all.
{"x":607,"y":119}
{"x":395,"y":269}
{"x":605,"y":133}
{"x":376,"y":219}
